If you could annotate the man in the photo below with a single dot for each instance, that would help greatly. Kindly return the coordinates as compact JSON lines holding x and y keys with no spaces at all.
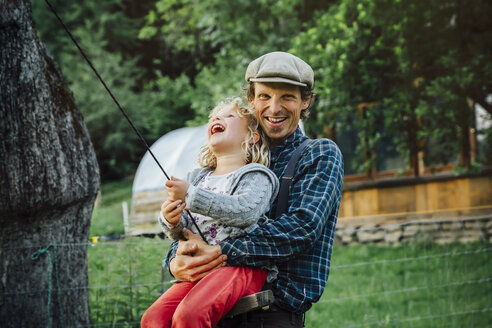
{"x":299,"y":241}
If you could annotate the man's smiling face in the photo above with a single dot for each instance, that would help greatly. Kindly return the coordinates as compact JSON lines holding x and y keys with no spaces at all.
{"x":278,"y":108}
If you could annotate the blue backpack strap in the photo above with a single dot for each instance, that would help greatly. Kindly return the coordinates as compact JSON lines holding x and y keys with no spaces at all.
{"x":286,"y":180}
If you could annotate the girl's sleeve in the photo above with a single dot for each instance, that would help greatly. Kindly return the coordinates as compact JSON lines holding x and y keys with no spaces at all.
{"x":249,"y":202}
{"x":174,"y":233}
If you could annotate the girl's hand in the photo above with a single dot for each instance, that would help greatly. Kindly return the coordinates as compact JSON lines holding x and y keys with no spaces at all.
{"x":172,"y":211}
{"x":176,"y":189}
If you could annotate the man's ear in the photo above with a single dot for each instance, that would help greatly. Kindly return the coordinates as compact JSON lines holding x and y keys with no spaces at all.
{"x":306,"y":103}
{"x":255,"y":139}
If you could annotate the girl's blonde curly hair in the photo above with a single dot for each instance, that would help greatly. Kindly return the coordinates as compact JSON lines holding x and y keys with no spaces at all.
{"x":258,"y":152}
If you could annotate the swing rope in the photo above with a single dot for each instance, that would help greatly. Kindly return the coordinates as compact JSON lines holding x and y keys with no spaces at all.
{"x":142,"y":139}
{"x":34,"y":257}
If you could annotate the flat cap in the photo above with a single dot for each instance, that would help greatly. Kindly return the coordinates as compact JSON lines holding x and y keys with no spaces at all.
{"x":280,"y":67}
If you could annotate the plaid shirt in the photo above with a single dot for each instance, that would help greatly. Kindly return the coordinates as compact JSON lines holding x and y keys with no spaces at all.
{"x":300,"y":241}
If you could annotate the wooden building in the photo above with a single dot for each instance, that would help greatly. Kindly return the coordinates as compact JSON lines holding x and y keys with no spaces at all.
{"x":396,"y":200}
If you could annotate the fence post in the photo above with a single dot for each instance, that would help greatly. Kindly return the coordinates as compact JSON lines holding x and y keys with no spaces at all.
{"x":126,"y":221}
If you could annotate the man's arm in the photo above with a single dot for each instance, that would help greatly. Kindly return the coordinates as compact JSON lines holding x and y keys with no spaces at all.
{"x":313,"y":204}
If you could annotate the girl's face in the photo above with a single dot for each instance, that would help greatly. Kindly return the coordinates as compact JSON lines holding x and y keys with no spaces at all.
{"x":227,"y":131}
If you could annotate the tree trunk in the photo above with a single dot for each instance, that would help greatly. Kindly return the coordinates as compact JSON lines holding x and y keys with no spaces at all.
{"x":464,"y":118}
{"x":413,"y":124}
{"x":48,"y":183}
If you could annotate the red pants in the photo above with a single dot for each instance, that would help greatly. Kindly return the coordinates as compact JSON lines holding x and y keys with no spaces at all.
{"x":203,"y":303}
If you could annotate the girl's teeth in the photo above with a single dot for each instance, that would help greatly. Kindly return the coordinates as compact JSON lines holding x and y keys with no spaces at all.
{"x":217,"y":128}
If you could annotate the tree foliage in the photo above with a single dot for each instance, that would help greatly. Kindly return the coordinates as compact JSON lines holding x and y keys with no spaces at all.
{"x":413,"y":64}
{"x":110,"y":38}
{"x":218,"y":39}
{"x":394,"y":78}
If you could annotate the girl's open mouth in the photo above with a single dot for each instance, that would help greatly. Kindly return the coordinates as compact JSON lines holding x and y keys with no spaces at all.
{"x":216,"y":128}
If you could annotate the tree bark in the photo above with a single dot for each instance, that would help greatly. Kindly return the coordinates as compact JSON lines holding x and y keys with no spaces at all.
{"x":49,"y":179}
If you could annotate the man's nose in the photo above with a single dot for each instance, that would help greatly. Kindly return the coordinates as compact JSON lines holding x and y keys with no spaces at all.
{"x":275,"y":105}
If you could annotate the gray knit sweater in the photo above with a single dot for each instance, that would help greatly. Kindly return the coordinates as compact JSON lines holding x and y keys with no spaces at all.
{"x":254,"y":188}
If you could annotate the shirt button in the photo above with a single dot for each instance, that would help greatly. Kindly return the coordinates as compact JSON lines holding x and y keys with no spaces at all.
{"x":234,"y":254}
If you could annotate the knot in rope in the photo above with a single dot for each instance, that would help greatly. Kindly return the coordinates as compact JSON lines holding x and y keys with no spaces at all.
{"x":34,"y":257}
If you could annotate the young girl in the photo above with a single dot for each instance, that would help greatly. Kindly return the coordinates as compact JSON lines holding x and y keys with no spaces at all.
{"x":227,"y":198}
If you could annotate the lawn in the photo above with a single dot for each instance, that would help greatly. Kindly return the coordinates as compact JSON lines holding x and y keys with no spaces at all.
{"x":107,"y":215}
{"x":412,"y":285}
{"x":422,"y":285}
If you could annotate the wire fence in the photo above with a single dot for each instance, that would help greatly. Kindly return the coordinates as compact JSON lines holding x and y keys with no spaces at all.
{"x":416,"y":283}
{"x":430,"y":277}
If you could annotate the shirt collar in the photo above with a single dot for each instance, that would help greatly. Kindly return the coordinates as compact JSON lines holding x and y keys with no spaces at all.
{"x":289,"y":144}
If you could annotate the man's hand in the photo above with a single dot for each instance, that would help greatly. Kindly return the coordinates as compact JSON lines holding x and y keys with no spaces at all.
{"x":172,"y":211}
{"x":176,"y":189}
{"x":195,"y":259}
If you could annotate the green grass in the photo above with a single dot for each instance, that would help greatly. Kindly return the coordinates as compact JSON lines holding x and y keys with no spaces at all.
{"x":412,"y":285}
{"x":125,"y":279}
{"x":125,"y":276}
{"x":423,"y":285}
{"x":107,"y":218}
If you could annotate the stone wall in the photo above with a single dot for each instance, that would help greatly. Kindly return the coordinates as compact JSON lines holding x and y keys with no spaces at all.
{"x":440,"y":231}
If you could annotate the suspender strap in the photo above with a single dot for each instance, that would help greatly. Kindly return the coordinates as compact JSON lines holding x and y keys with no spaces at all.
{"x":286,"y":181}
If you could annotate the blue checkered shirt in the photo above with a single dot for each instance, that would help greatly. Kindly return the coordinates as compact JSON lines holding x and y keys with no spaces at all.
{"x":300,"y":241}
